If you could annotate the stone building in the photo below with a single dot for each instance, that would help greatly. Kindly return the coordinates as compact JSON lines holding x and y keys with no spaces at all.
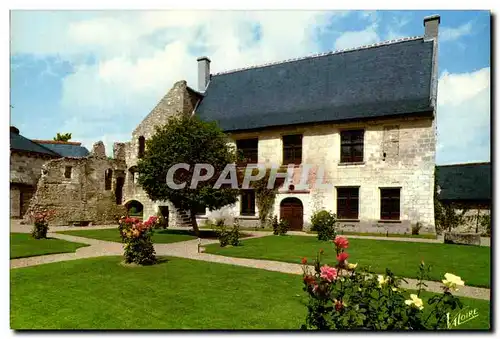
{"x":27,"y":158}
{"x":466,"y":187}
{"x":365,"y":115}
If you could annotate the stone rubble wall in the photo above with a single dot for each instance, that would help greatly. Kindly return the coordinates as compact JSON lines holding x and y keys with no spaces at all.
{"x":82,"y":197}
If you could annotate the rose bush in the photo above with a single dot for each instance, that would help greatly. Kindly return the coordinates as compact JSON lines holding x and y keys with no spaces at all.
{"x":136,"y":235}
{"x":343,"y":297}
{"x":41,"y":223}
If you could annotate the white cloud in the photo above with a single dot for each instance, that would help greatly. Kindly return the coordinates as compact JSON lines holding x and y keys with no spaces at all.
{"x":455,"y":33}
{"x":463,"y":117}
{"x":140,"y":55}
{"x":352,"y":39}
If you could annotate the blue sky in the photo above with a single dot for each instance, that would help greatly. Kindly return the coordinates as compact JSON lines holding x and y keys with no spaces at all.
{"x":97,"y":74}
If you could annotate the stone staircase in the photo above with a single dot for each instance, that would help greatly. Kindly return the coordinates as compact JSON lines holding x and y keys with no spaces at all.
{"x":183,"y":219}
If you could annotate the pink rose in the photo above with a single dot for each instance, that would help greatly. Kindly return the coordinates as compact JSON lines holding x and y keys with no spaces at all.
{"x":328,"y":273}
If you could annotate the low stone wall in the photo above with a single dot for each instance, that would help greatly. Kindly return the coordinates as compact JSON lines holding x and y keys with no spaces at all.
{"x":462,"y":238}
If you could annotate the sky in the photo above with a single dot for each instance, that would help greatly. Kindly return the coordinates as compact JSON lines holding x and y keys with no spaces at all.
{"x":97,"y":74}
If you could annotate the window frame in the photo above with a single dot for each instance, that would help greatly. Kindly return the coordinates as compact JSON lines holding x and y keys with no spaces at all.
{"x":349,"y":198}
{"x":249,"y":209}
{"x":294,"y":148}
{"x":390,"y":201}
{"x":351,"y":143}
{"x":254,"y":151}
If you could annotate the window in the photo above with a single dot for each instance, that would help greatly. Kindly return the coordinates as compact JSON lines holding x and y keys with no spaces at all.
{"x":142,"y":146}
{"x":249,"y":149}
{"x":108,"y":175}
{"x":347,"y":202}
{"x":200,"y":210}
{"x":247,"y":202}
{"x":389,"y":203}
{"x":292,"y":149}
{"x":351,"y":146}
{"x":67,"y":172}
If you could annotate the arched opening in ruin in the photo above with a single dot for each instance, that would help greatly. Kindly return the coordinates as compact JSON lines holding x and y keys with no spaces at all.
{"x":132,"y":175}
{"x":134,"y":209}
{"x":108,"y":177}
{"x":142,"y":146}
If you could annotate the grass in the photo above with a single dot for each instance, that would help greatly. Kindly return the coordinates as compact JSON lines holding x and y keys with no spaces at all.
{"x":22,"y":245}
{"x":471,"y":263}
{"x":159,"y":236}
{"x":385,"y":235}
{"x":99,"y":293}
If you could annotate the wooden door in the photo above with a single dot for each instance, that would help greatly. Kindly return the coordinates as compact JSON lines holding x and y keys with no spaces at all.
{"x":292,"y":211}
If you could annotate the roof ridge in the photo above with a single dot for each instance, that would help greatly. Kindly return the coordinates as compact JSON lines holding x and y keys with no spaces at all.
{"x":75,"y":143}
{"x":378,"y":44}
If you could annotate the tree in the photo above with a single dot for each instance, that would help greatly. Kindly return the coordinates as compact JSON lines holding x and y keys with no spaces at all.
{"x":62,"y":137}
{"x":190,"y":141}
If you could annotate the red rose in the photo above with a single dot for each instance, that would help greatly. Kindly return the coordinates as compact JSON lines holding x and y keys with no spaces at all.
{"x":342,"y":256}
{"x":304,"y":261}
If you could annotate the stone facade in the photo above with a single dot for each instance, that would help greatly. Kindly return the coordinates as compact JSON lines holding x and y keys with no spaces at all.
{"x":179,"y":100}
{"x":397,"y":153}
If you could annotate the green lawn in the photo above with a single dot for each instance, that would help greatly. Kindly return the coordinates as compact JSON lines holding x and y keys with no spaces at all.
{"x":472,"y":263}
{"x":23,"y":245}
{"x":178,"y":293}
{"x":159,"y":236}
{"x":394,"y":235}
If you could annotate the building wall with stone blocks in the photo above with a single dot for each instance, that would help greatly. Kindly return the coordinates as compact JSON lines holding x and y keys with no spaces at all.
{"x":25,"y":170}
{"x":179,"y":100}
{"x":76,"y":189}
{"x":397,"y":153}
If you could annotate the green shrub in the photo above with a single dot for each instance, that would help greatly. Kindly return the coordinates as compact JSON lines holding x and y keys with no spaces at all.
{"x":345,"y":297}
{"x":283,"y":227}
{"x":136,"y":235}
{"x":275,"y":225}
{"x":323,"y":222}
{"x":226,"y":236}
{"x":234,"y":234}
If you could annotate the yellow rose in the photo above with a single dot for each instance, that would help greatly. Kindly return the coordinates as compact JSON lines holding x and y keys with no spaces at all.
{"x":452,"y":281}
{"x":415,"y":301}
{"x":382,"y":281}
{"x":352,"y":266}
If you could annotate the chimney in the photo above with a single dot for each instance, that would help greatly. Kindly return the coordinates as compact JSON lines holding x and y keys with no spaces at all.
{"x":431,"y":24}
{"x":203,"y":73}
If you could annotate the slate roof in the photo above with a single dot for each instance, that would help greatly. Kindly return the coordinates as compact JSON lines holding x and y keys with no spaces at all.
{"x":66,"y":149}
{"x":20,"y":143}
{"x":375,"y":81}
{"x":464,"y":181}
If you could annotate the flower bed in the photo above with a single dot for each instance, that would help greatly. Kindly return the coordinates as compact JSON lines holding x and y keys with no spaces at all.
{"x":346,"y":297}
{"x":136,"y":235}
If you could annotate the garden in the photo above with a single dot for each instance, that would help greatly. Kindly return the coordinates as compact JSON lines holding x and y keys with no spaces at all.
{"x":346,"y":284}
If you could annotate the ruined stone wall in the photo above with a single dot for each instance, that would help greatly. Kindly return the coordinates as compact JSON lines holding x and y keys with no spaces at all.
{"x":80,"y":196}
